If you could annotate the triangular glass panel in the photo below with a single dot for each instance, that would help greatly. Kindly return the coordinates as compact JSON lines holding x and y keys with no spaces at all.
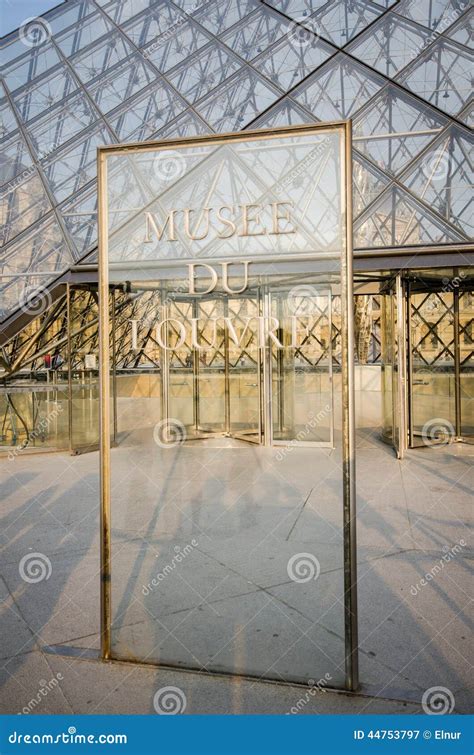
{"x":338,"y":89}
{"x":397,"y":219}
{"x":390,"y":44}
{"x":437,"y":15}
{"x":443,"y":177}
{"x":442,"y":75}
{"x":284,"y":113}
{"x":292,"y":58}
{"x":367,"y":183}
{"x":395,"y":127}
{"x":339,"y":21}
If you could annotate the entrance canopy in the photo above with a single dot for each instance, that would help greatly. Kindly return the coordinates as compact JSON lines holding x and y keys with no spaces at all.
{"x":236,"y":252}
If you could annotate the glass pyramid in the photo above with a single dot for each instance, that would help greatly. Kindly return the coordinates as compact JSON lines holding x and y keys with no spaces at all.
{"x":93,"y":72}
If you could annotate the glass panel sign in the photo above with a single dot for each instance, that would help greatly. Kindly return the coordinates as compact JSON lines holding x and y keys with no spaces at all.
{"x":227,"y":505}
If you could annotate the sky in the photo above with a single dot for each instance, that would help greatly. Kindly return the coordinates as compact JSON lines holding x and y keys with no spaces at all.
{"x":14,"y":12}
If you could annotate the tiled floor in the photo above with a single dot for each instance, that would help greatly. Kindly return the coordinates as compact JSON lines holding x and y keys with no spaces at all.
{"x":257,"y":588}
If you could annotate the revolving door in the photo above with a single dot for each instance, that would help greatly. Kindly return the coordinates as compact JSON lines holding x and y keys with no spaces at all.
{"x":428,"y":360}
{"x":254,"y":367}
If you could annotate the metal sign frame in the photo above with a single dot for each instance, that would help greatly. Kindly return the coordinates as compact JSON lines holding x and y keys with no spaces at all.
{"x":344,"y":128}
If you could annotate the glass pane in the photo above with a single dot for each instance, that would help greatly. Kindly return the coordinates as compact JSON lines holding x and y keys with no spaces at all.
{"x":238,"y":102}
{"x":147,"y":113}
{"x":45,"y":93}
{"x":432,"y":354}
{"x":338,"y":89}
{"x":202,"y":479}
{"x":292,"y":59}
{"x":61,"y":124}
{"x":169,"y":50}
{"x":162,"y":18}
{"x":30,"y":66}
{"x":123,"y":82}
{"x":21,"y":204}
{"x":442,"y":75}
{"x":7,"y":119}
{"x":443,"y":177}
{"x":390,"y":44}
{"x":393,"y":128}
{"x":222,"y":15}
{"x":244,"y":368}
{"x":434,"y":14}
{"x":69,"y":170}
{"x":97,"y":60}
{"x":16,"y":160}
{"x":204,"y":72}
{"x":397,"y":219}
{"x":83,"y":34}
{"x":341,"y":21}
{"x":302,"y":366}
{"x":256,"y":33}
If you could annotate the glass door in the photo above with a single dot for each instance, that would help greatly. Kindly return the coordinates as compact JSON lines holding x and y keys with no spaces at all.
{"x":465,"y":322}
{"x":243,"y":367}
{"x":432,"y":368}
{"x":301,"y":367}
